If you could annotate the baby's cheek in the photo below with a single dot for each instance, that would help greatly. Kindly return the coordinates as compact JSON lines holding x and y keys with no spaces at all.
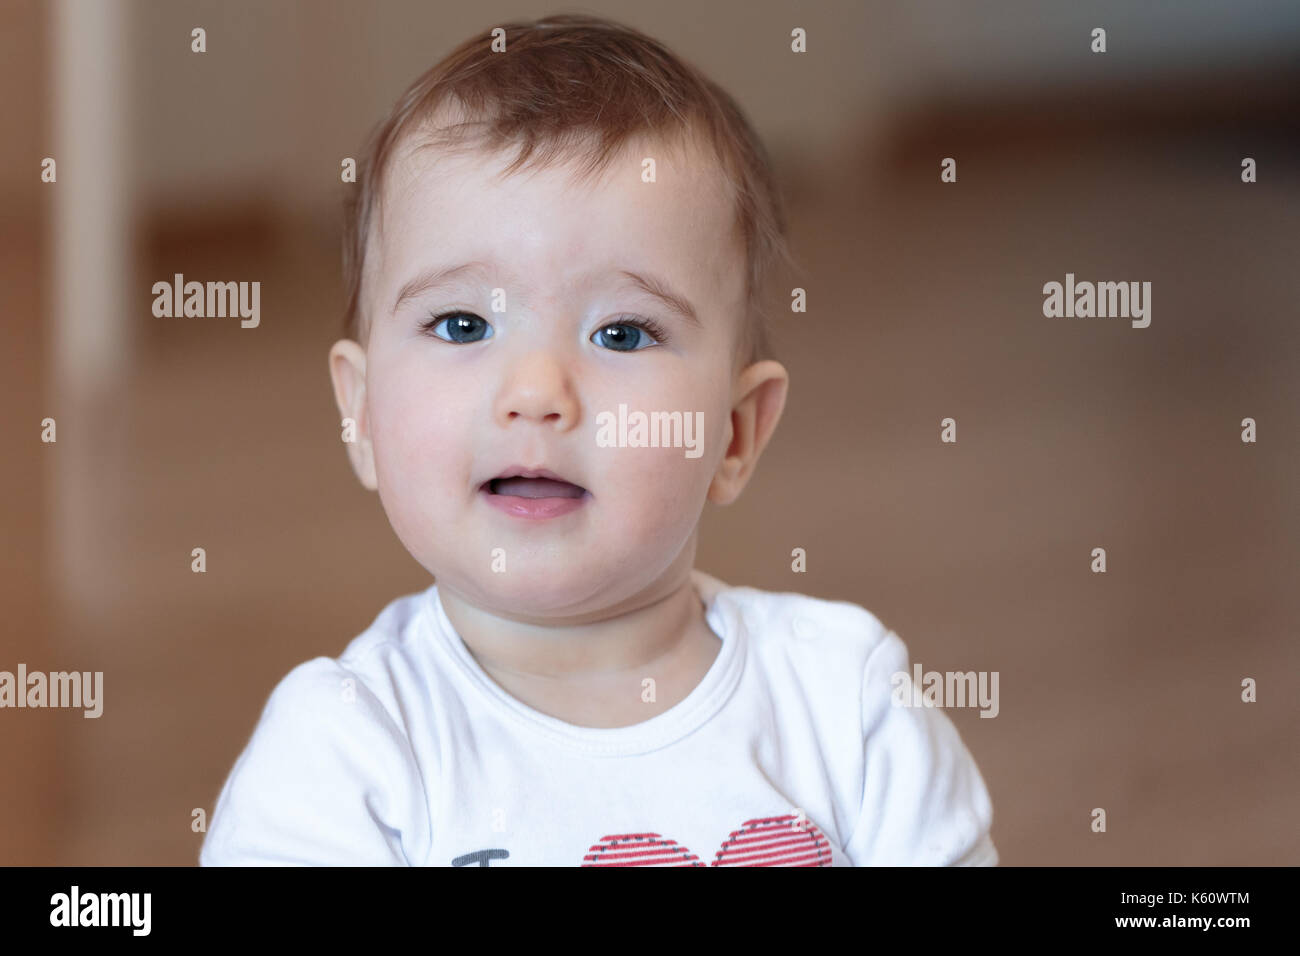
{"x":669,"y":490}
{"x":416,"y":428}
{"x":408,"y":463}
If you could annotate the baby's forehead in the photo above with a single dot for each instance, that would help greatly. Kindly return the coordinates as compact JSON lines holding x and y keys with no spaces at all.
{"x":661,"y":198}
{"x":679,"y":165}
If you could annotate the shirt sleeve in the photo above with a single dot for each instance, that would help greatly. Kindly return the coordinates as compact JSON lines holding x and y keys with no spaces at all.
{"x":327,"y":779}
{"x":924,"y":802}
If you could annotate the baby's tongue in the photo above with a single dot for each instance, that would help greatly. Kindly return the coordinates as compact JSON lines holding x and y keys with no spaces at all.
{"x":535,"y":488}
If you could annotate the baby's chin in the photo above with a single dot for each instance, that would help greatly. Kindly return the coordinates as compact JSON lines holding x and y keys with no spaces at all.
{"x":541,"y":590}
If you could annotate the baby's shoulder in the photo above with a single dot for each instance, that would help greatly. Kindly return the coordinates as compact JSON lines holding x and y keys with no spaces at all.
{"x":784,"y":625}
{"x":332,"y":773}
{"x":393,"y":636}
{"x":371,"y":669}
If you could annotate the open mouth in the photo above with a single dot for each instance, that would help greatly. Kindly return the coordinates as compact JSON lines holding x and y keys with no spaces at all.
{"x":533,"y":493}
{"x":519,"y":487}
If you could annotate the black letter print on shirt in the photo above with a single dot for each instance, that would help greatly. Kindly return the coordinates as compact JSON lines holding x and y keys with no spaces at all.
{"x":480,"y":857}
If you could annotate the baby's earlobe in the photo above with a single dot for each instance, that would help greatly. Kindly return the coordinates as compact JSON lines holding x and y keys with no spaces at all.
{"x":362,"y":457}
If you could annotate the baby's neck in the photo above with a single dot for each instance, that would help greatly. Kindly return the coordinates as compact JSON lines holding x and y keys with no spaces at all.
{"x":592,"y":674}
{"x":633,"y":635}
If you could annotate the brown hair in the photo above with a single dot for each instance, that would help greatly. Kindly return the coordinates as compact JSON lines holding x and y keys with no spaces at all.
{"x":564,"y":82}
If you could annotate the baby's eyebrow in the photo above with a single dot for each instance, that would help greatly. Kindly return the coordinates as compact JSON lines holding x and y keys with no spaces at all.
{"x":649,"y":284}
{"x":655,"y":287}
{"x":433,"y":278}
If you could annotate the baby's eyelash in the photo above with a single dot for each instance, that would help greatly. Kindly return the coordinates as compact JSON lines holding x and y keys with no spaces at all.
{"x":648,"y":325}
{"x":428,"y":324}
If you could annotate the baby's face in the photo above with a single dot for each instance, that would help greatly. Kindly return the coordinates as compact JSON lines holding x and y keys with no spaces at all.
{"x":541,"y":340}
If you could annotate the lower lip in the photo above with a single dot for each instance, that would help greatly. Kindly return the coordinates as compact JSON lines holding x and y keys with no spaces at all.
{"x":535,"y":507}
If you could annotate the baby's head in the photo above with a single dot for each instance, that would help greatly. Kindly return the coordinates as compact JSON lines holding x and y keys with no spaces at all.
{"x":547,"y":247}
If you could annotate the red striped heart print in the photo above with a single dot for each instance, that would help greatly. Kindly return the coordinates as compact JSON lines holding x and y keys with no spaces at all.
{"x":767,"y":841}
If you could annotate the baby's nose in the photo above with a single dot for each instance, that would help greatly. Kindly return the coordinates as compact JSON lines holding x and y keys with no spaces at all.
{"x":538,"y":388}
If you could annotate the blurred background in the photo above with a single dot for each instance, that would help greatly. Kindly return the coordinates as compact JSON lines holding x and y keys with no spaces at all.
{"x":1118,"y":690}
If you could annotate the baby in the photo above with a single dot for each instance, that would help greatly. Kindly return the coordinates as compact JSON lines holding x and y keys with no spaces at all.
{"x":555,"y":263}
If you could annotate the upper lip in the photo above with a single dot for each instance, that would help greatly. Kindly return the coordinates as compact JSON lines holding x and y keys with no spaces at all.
{"x":519,"y":471}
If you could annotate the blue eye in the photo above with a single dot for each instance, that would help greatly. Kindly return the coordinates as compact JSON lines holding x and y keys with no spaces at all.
{"x":462,"y":328}
{"x":629,"y":335}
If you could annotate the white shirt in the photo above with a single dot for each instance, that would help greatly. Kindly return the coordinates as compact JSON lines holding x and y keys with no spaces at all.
{"x":790,"y":751}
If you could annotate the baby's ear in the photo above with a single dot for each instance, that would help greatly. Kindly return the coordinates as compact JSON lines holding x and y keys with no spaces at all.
{"x":348,"y":372}
{"x":760,"y":399}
